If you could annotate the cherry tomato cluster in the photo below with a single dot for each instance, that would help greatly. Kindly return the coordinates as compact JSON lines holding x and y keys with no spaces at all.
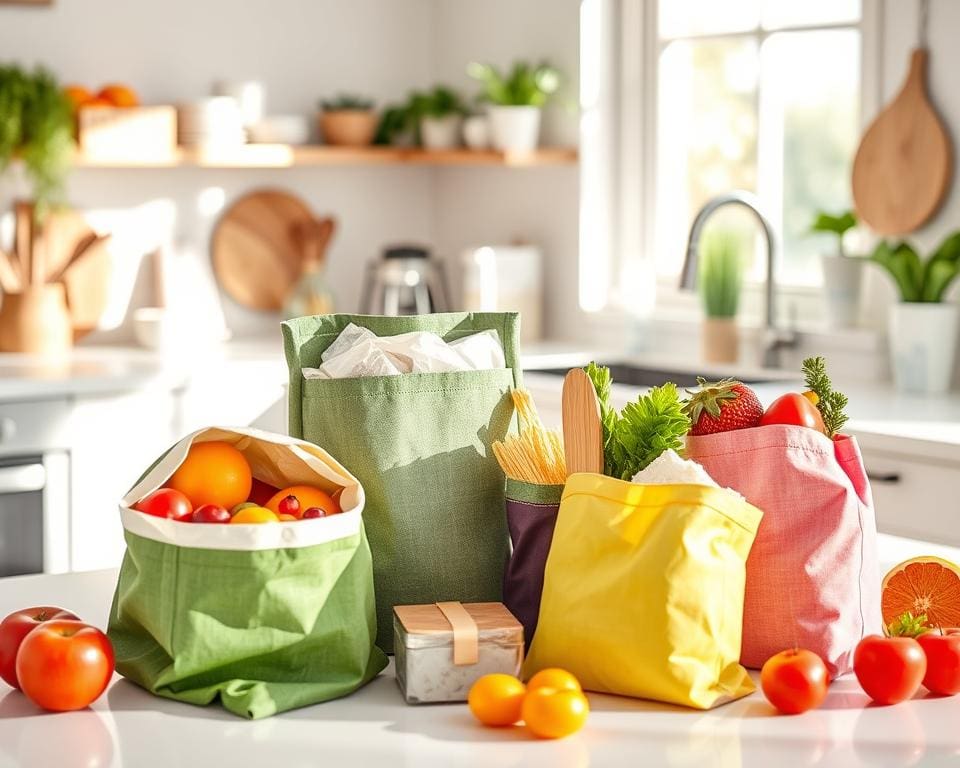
{"x":551,"y":704}
{"x":57,"y":660}
{"x":889,"y":669}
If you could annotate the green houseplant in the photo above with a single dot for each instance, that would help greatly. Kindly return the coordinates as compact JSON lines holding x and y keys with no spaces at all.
{"x":348,"y":120}
{"x":842,"y":272}
{"x":440,"y":113}
{"x":720,"y":280}
{"x":515,"y":101}
{"x":923,"y":325}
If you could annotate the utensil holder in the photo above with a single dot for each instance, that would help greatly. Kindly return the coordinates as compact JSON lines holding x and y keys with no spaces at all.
{"x":36,"y":321}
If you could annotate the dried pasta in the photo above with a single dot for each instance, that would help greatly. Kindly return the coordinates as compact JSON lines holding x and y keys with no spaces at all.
{"x":535,"y":455}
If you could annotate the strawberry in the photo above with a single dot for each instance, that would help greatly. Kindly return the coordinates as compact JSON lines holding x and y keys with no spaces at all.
{"x":722,"y":407}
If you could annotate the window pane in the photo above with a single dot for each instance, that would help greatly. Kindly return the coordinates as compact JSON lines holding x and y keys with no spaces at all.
{"x":706,"y":137}
{"x":683,"y":18}
{"x":792,"y":13}
{"x":809,"y":118}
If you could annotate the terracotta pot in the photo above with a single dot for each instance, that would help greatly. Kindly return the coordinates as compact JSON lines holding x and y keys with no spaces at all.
{"x":348,"y":127}
{"x":36,"y":321}
{"x":721,"y":344}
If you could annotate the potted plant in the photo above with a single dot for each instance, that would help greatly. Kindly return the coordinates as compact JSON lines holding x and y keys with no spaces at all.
{"x":720,"y":280}
{"x":515,"y":102}
{"x":842,"y":273}
{"x":397,"y":126}
{"x":440,"y":113}
{"x":348,"y":120}
{"x":36,"y":128}
{"x":923,"y":325}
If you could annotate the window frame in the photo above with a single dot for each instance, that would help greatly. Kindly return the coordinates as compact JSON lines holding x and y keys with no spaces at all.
{"x":633,"y":183}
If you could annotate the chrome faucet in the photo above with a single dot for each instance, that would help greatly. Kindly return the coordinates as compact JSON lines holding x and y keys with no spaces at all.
{"x":774,"y":339}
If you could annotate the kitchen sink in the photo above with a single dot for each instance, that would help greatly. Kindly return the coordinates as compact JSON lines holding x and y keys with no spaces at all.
{"x":639,"y":376}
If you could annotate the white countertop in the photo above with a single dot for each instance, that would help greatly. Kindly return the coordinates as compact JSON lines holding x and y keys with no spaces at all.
{"x":129,"y":727}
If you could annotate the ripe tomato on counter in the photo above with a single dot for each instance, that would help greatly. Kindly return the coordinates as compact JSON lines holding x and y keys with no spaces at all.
{"x":943,"y":661}
{"x":889,"y":669}
{"x":794,"y":681}
{"x":16,"y":627}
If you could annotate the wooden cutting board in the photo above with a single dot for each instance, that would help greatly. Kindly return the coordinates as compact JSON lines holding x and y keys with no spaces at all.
{"x":903,"y":168}
{"x":258,"y":249}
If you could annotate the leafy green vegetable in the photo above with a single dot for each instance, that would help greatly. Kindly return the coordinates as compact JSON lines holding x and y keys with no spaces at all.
{"x":908,"y":625}
{"x":643,"y":430}
{"x":836,"y":225}
{"x":830,"y":403}
{"x":721,"y":274}
{"x":920,"y":281}
{"x":526,"y":85}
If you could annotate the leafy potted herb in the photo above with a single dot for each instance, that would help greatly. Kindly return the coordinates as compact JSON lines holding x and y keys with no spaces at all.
{"x":842,"y":272}
{"x":515,"y":102}
{"x":440,"y":113}
{"x":923,"y":325}
{"x":397,"y":126}
{"x":720,"y":281}
{"x":348,"y":120}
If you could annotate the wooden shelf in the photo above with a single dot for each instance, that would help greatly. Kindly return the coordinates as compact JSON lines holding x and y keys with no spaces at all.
{"x":287,"y":156}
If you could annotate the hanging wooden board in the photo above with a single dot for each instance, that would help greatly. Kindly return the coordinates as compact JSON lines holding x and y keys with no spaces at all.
{"x":257,"y":248}
{"x":582,"y":430}
{"x":903,"y":168}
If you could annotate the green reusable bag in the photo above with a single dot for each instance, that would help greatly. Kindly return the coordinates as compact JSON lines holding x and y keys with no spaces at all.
{"x":266,"y":618}
{"x":420,"y":444}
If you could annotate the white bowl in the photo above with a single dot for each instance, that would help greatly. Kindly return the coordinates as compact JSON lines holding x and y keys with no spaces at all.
{"x":155,"y":328}
{"x":280,"y":129}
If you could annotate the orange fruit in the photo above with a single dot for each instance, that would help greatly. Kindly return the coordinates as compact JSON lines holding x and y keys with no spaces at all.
{"x":552,"y":677}
{"x":213,"y":473}
{"x":96,"y":103}
{"x":77,"y":95}
{"x":552,"y":714}
{"x":286,"y":518}
{"x":119,"y":95}
{"x":496,"y":699}
{"x":254,"y":515}
{"x":308,"y":496}
{"x":923,"y":586}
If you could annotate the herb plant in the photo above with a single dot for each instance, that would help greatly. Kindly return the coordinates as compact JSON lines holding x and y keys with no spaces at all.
{"x":830,"y":403}
{"x":526,"y":85}
{"x":36,"y":126}
{"x":643,"y":430}
{"x":836,"y":225}
{"x":345,"y":102}
{"x":916,"y":279}
{"x":439,"y":102}
{"x":721,"y":275}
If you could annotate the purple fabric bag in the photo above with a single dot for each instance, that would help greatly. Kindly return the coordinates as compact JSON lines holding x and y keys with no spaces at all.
{"x":531,"y":517}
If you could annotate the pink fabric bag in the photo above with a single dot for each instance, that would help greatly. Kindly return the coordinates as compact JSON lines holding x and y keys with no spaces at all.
{"x":812,"y":575}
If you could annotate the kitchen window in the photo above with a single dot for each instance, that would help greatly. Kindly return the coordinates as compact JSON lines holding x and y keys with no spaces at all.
{"x":762,"y":95}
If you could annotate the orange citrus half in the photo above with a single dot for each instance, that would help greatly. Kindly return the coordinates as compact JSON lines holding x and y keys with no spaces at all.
{"x":923,"y":586}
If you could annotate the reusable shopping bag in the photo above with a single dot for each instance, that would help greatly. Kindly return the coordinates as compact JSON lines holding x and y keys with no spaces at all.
{"x":643,"y":591}
{"x":266,"y":617}
{"x":420,"y":443}
{"x":812,"y":577}
{"x":531,"y":517}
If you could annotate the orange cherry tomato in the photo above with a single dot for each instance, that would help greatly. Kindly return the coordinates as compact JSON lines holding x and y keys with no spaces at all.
{"x":249,"y":515}
{"x":496,"y":699}
{"x":552,"y":677}
{"x":553,"y":714}
{"x":213,"y":473}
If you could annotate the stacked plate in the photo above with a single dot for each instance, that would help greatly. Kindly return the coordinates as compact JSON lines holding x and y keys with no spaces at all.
{"x":217,"y":121}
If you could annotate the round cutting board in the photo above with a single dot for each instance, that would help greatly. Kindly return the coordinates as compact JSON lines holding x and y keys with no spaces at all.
{"x":257,"y":249}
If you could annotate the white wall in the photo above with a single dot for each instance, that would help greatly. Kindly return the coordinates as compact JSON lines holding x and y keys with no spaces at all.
{"x":303,"y":49}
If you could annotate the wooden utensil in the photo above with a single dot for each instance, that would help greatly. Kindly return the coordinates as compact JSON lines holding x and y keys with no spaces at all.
{"x":87,"y":283}
{"x":62,"y":232}
{"x":257,"y":257}
{"x":582,"y":432}
{"x":9,"y":280}
{"x":903,"y":168}
{"x":23,"y":239}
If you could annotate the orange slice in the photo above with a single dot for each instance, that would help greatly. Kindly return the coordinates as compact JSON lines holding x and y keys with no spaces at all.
{"x":922,"y":585}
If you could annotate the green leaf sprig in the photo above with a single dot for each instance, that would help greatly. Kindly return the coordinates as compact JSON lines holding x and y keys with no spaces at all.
{"x":908,"y":625}
{"x":831,"y":403}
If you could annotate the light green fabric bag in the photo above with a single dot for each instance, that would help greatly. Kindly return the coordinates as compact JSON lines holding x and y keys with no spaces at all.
{"x":266,"y":617}
{"x":420,"y":444}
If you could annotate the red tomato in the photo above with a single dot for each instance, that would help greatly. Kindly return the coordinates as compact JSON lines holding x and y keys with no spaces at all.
{"x":64,"y":665}
{"x":261,"y":492}
{"x":794,"y":681}
{"x":15,"y":627}
{"x":165,"y":502}
{"x":943,"y":662}
{"x":890,"y":669}
{"x":793,"y":408}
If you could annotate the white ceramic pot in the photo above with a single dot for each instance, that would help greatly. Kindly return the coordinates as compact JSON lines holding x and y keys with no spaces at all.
{"x":842,"y":281}
{"x":476,"y":132}
{"x":440,"y":132}
{"x":923,"y":345}
{"x":514,"y":129}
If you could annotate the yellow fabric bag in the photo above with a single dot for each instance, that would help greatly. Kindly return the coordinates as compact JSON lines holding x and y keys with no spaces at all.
{"x":643,"y":591}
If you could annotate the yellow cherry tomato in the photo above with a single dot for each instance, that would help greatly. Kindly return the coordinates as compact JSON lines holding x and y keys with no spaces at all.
{"x":812,"y":396}
{"x":254,"y":515}
{"x":553,"y":714}
{"x":553,"y":677}
{"x":496,"y":699}
{"x":286,"y":518}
